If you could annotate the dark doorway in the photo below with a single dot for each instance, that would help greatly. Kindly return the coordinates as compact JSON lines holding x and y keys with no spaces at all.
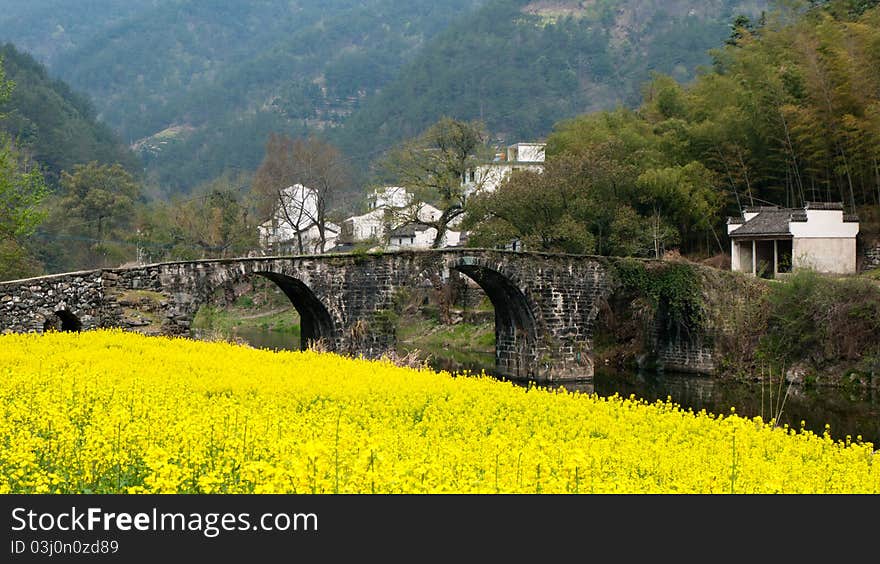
{"x":63,"y":321}
{"x":784,"y":256}
{"x":765,"y":259}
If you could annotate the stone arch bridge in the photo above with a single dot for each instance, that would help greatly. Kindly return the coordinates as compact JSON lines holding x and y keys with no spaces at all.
{"x":545,"y":305}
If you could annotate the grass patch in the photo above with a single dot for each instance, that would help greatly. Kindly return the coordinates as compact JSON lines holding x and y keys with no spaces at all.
{"x":432,"y":337}
{"x":210,"y":318}
{"x":822,"y":319}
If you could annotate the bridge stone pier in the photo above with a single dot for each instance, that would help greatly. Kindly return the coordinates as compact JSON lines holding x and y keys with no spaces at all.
{"x":545,"y":305}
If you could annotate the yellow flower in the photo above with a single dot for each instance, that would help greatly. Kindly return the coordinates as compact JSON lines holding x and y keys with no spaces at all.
{"x":112,"y":411}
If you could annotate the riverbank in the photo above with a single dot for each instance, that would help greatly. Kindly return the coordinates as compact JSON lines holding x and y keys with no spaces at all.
{"x":816,"y":330}
{"x":462,"y":346}
{"x":261,"y":306}
{"x":231,"y":320}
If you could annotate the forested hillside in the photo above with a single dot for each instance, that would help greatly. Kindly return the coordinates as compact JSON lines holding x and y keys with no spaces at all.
{"x":56,"y":125}
{"x":50,"y":28}
{"x":196,"y":86}
{"x":521,"y":65}
{"x":788,"y":113}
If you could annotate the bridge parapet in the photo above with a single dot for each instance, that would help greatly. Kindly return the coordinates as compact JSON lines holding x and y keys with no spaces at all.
{"x":37,"y":304}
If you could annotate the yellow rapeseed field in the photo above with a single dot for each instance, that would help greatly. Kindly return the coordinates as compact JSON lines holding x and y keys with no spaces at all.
{"x":110,"y":411}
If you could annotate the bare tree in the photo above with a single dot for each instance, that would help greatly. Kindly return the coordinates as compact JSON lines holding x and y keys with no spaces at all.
{"x":219,"y":222}
{"x":435,"y":166}
{"x":297,"y":183}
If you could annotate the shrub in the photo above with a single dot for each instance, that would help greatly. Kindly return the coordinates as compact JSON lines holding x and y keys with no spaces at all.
{"x":822,"y":319}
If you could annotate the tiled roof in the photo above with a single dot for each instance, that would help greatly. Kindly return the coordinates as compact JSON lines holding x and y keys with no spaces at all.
{"x":775,"y":221}
{"x":757,"y":209}
{"x":408,"y":230}
{"x":825,"y":206}
{"x":772,"y":221}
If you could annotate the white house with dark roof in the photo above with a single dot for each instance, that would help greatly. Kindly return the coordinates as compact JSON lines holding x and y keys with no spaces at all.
{"x":770,"y":240}
{"x":487,"y":177}
{"x":372,"y":225}
{"x":293,"y":226}
{"x":393,"y":222}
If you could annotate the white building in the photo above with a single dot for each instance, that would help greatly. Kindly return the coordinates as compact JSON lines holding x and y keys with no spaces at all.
{"x":294,"y":222}
{"x":519,"y":156}
{"x":414,"y":235}
{"x":391,"y":222}
{"x":366,"y":227}
{"x":768,"y":241}
{"x":417,"y":236}
{"x":389,"y":197}
{"x":373,"y":225}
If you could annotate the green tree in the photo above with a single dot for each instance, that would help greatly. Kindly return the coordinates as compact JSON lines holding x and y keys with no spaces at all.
{"x":682,"y":196}
{"x":219,"y":222}
{"x":633,"y":235}
{"x":433,"y":166}
{"x":22,"y":190}
{"x":543,"y":211}
{"x":96,"y":211}
{"x":570,"y":207}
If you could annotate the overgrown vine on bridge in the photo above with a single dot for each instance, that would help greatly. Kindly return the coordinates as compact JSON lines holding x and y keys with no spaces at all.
{"x":673,"y":288}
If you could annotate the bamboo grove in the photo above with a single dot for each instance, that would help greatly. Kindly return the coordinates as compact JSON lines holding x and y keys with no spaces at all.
{"x":788,"y":112}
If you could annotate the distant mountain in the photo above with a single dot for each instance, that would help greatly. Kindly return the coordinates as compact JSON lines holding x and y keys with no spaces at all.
{"x":196,"y":86}
{"x":49,"y":28}
{"x":522,"y":65}
{"x":55,"y":124}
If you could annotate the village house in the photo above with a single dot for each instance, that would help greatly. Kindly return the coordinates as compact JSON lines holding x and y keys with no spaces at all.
{"x":293,"y":227}
{"x":418,"y":236}
{"x":372,"y":225}
{"x":768,"y":241}
{"x":489,"y":176}
{"x":384,"y":225}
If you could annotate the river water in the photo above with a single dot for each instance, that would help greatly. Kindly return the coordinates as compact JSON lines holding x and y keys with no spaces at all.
{"x":853,"y":412}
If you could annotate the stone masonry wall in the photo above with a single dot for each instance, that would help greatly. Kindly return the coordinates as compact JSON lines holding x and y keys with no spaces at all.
{"x":871,"y":258}
{"x":545,"y":305}
{"x":27,"y":305}
{"x":682,"y":354}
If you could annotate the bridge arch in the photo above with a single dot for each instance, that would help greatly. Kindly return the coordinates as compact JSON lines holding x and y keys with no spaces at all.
{"x":62,"y":320}
{"x":516,"y":321}
{"x":316,"y":323}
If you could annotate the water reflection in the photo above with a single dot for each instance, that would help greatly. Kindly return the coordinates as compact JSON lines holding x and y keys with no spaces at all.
{"x":848,"y":412}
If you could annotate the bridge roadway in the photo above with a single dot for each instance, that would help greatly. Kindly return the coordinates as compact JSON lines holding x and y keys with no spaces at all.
{"x":545,"y":304}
